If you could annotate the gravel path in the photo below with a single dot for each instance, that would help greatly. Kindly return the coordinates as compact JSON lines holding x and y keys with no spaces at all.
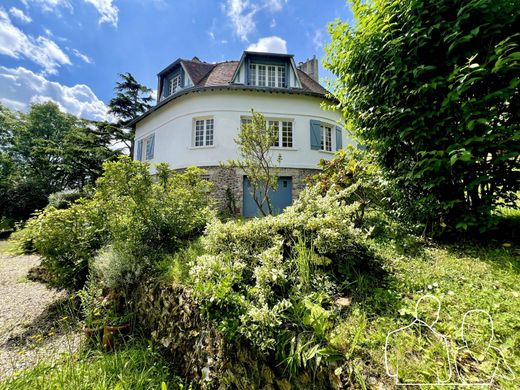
{"x":35,"y":322}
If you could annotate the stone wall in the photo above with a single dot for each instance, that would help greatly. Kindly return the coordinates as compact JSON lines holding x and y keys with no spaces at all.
{"x":200,"y":353}
{"x":228,"y":185}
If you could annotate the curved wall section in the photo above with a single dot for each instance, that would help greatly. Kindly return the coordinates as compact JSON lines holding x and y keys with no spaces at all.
{"x":173,"y":127}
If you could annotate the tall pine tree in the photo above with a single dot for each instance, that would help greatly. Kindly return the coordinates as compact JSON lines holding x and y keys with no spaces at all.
{"x":132,"y":100}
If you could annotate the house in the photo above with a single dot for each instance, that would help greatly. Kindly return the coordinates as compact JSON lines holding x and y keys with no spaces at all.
{"x":201,"y":106}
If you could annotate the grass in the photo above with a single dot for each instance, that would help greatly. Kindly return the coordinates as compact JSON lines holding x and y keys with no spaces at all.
{"x":137,"y":366}
{"x":463,"y":277}
{"x":7,"y":247}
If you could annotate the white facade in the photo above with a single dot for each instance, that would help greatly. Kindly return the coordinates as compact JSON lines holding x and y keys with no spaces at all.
{"x":173,"y":127}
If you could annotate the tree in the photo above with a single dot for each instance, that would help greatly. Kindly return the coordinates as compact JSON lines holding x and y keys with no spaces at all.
{"x":132,"y":100}
{"x":255,"y":140}
{"x":432,"y":88}
{"x":46,"y":151}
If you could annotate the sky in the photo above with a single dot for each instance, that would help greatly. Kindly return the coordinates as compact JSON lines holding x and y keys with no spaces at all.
{"x":71,"y":51}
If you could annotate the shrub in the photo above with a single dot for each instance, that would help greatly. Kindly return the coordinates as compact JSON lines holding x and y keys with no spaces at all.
{"x":433,"y":91}
{"x":271,"y":280}
{"x":149,"y":219}
{"x":64,"y":199}
{"x":139,"y":218}
{"x":67,"y":240}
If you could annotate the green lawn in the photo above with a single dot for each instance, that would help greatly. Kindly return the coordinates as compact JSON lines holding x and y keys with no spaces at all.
{"x":135,"y":367}
{"x":463,"y":278}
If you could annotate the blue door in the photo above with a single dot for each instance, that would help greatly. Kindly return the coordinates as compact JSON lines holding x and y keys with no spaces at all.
{"x":280,"y":199}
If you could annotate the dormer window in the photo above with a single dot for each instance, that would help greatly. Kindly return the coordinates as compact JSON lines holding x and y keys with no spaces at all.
{"x":263,"y":75}
{"x":174,"y":84}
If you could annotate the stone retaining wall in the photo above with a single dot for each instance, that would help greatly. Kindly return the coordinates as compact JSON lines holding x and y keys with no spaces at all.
{"x":200,"y":353}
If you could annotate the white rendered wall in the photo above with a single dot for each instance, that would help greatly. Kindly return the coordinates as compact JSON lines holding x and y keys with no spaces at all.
{"x":173,"y":127}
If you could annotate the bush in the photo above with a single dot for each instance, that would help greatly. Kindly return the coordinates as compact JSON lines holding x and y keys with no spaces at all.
{"x":432,"y":89}
{"x":67,"y":240}
{"x":64,"y":199}
{"x":139,"y":218}
{"x":153,"y":218}
{"x":271,"y":280}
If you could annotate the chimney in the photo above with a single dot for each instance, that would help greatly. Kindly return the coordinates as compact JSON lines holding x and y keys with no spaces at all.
{"x":311,"y":68}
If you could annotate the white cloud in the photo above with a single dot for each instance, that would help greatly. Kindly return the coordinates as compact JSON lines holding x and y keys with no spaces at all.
{"x":52,"y":6}
{"x":108,"y":11}
{"x":273,"y":23}
{"x":318,"y":40}
{"x":19,"y":86}
{"x":275,"y":5}
{"x":41,"y":50}
{"x":269,"y":45}
{"x":20,"y":15}
{"x":82,"y":56}
{"x":241,"y":13}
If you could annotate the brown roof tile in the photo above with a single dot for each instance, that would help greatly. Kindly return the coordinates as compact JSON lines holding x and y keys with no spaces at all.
{"x":221,"y":74}
{"x":197,"y":70}
{"x":309,"y":84}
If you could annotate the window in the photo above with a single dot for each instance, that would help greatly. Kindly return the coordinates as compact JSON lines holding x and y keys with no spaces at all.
{"x":203,"y":132}
{"x":326,"y":138}
{"x":261,"y":75}
{"x":175,"y":82}
{"x":287,"y":134}
{"x":267,"y":75}
{"x":282,"y":130}
{"x":145,"y":148}
{"x":271,"y":76}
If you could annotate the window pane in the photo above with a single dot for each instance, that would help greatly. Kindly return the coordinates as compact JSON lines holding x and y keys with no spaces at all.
{"x":328,"y":139}
{"x":199,"y":133}
{"x":174,"y":83}
{"x":252,"y":74}
{"x":274,"y":126}
{"x":209,"y":132}
{"x":261,"y":75}
{"x":281,"y":76}
{"x":271,"y":76}
{"x":287,"y":134}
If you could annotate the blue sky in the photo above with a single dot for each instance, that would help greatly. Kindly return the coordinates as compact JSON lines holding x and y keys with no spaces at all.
{"x":71,"y":51}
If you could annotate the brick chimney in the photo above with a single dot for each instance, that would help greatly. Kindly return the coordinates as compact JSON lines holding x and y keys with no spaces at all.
{"x":311,"y":68}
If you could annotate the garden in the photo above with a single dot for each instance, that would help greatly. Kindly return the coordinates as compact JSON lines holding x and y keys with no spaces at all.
{"x":421,"y":226}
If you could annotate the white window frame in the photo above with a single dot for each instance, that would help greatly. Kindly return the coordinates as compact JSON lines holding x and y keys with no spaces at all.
{"x":323,"y":137}
{"x":142,"y":156}
{"x":280,"y":122}
{"x":174,"y":81}
{"x":280,"y":76}
{"x":208,"y":132}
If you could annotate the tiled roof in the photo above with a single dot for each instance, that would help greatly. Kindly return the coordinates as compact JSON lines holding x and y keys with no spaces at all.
{"x":309,"y":84}
{"x":220,"y":75}
{"x":197,"y":70}
{"x":206,"y":75}
{"x":214,"y":75}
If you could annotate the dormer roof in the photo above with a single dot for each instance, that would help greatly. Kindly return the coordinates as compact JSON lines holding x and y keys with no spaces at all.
{"x":223,"y":75}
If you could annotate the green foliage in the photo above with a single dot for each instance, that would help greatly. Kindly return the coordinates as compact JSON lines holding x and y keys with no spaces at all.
{"x":138,"y":366}
{"x":64,"y":199}
{"x":43,"y":152}
{"x":432,"y":89}
{"x":135,"y":219}
{"x":271,"y":280}
{"x":132,"y":100}
{"x":353,"y":170}
{"x":67,"y":240}
{"x":255,"y":140}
